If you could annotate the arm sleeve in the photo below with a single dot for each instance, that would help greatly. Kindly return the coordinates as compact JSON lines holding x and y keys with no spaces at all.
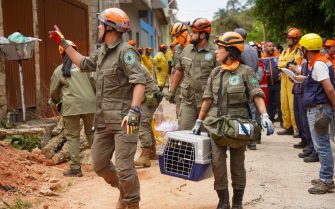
{"x":208,"y":93}
{"x":132,"y":66}
{"x":56,"y":85}
{"x":320,"y":71}
{"x":89,"y":64}
{"x":252,"y":85}
{"x":178,"y":65}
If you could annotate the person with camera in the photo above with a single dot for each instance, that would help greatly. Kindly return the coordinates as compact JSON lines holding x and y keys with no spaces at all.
{"x":225,"y":102}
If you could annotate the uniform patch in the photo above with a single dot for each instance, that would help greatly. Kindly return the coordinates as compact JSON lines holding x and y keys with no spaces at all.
{"x":208,"y":56}
{"x":253,"y":80}
{"x":129,"y":57}
{"x":234,"y":80}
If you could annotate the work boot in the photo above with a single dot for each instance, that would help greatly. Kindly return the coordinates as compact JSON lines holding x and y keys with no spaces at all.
{"x":153,"y":155}
{"x":73,"y":172}
{"x":287,"y":131}
{"x":133,"y":205}
{"x":318,"y":181}
{"x":144,"y":159}
{"x":304,"y":154}
{"x":120,"y":205}
{"x":237,"y":198}
{"x":321,"y":188}
{"x":300,"y":145}
{"x":296,"y":134}
{"x":252,"y":146}
{"x":223,"y":199}
{"x":311,"y":158}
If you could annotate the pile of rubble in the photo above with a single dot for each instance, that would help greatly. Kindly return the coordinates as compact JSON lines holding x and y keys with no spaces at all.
{"x":21,"y":170}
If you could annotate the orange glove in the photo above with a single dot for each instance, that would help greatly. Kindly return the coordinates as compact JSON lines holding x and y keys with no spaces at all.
{"x":58,"y":37}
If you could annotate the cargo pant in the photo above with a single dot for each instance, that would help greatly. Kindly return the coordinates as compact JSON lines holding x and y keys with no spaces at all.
{"x":286,"y":98}
{"x":145,"y":133}
{"x":72,"y":129}
{"x":188,"y":114}
{"x":219,"y":166}
{"x":107,"y":142}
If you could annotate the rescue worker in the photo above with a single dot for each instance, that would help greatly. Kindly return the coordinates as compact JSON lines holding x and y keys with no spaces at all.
{"x":330,"y":48}
{"x":289,"y":57}
{"x":180,"y":33}
{"x":250,"y":58}
{"x":238,"y":82}
{"x":132,"y":43}
{"x":319,"y":99}
{"x":120,"y":90}
{"x":140,"y":50}
{"x":78,"y":101}
{"x":194,"y":66}
{"x":161,"y":66}
{"x":153,"y":96}
{"x":270,"y":60}
{"x":147,"y":59}
{"x":300,"y":115}
{"x":250,"y":54}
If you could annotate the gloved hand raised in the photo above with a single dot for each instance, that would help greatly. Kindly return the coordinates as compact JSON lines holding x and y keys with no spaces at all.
{"x":132,"y":120}
{"x":58,"y":37}
{"x":266,"y":123}
{"x":197,"y":127}
{"x":170,"y":97}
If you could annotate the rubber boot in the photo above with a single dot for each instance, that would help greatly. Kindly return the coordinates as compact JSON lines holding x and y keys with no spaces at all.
{"x":153,"y":155}
{"x":237,"y":198}
{"x":133,"y":205}
{"x":144,"y":159}
{"x":224,"y":199}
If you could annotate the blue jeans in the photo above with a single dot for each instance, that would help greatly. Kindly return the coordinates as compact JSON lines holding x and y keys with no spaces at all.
{"x":322,"y":144}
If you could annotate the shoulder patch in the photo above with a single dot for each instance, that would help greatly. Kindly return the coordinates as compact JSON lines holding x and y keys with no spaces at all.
{"x":253,"y":80}
{"x":234,"y":80}
{"x":209,"y":56}
{"x":129,"y":57}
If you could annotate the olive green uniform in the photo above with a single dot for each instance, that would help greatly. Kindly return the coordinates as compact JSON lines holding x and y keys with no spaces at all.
{"x":237,"y":87}
{"x":148,"y":108}
{"x":196,"y":65}
{"x":78,"y":101}
{"x":176,"y":56}
{"x":118,"y":69}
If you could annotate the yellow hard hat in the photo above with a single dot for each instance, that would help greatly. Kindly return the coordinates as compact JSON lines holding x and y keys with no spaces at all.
{"x":311,"y":41}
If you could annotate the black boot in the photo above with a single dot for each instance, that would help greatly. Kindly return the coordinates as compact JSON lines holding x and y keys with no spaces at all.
{"x":224,"y":199}
{"x":237,"y":198}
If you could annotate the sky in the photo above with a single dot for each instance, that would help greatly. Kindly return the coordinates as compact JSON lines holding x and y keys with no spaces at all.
{"x":192,"y":9}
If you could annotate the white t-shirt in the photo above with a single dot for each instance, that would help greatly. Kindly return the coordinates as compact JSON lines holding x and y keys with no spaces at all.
{"x":320,"y":71}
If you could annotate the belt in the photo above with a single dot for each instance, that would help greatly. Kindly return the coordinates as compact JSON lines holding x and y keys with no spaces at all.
{"x":318,"y":106}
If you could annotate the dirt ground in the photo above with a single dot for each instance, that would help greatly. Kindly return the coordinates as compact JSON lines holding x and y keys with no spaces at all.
{"x":276,"y":178}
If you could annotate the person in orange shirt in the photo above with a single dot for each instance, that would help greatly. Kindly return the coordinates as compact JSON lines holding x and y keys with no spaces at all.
{"x":270,"y":60}
{"x":330,"y":48}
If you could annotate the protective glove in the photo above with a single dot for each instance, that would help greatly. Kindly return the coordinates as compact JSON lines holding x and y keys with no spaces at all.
{"x":197,"y":126}
{"x":266,"y":123}
{"x":170,"y":97}
{"x":132,"y":120}
{"x":58,"y":37}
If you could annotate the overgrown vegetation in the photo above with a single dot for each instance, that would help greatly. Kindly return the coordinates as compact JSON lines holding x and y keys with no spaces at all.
{"x":276,"y":17}
{"x":17,"y":204}
{"x":23,"y":142}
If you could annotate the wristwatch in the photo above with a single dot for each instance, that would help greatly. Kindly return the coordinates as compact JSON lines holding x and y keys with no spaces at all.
{"x":136,"y":109}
